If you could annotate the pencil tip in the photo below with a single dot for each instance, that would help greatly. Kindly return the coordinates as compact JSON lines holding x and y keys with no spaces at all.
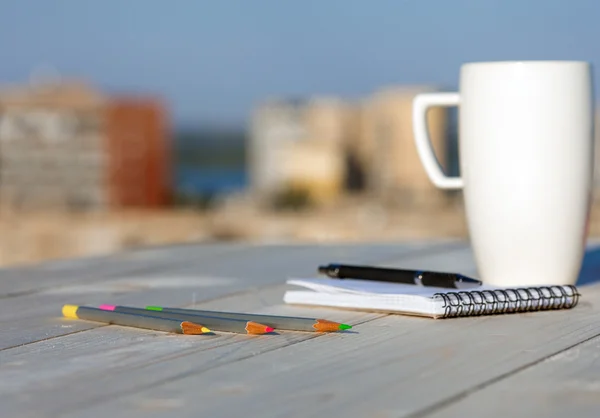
{"x":256,"y":328}
{"x":269,"y":329}
{"x":323,"y":325}
{"x":193,"y":329}
{"x":345,"y":326}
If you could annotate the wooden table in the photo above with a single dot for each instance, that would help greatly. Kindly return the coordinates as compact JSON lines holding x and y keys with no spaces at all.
{"x":542,"y":364}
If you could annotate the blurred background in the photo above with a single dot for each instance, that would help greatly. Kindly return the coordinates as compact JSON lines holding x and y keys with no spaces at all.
{"x":133,"y":123}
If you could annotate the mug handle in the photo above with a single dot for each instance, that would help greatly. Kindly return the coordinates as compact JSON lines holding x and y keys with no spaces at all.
{"x":422,"y":103}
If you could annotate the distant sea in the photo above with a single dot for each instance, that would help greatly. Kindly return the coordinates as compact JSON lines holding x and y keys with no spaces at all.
{"x":198,"y":181}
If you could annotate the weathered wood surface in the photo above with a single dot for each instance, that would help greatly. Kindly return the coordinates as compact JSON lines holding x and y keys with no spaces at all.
{"x":536,"y":364}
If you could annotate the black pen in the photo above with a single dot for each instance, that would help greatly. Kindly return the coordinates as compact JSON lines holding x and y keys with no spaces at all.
{"x":423,"y":278}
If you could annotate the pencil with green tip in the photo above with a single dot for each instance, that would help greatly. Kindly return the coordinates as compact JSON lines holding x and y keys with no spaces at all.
{"x":242,"y":326}
{"x":136,"y":321}
{"x":292,"y":323}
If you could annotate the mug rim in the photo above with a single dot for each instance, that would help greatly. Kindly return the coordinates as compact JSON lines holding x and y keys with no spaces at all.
{"x":524,"y":62}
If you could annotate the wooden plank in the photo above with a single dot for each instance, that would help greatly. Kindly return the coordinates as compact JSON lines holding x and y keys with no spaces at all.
{"x":24,"y":331}
{"x":26,"y":281}
{"x":565,"y":384}
{"x":33,"y":279}
{"x":220,"y":276}
{"x":392,"y":366}
{"x":112,"y":361}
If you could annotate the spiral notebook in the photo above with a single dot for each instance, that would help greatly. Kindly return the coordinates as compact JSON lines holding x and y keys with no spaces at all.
{"x":429,"y":301}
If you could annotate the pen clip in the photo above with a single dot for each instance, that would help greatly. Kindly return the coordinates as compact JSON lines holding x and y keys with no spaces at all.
{"x":418,"y":278}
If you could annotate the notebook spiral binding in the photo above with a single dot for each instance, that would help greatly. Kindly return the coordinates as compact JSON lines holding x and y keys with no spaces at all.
{"x":501,"y":301}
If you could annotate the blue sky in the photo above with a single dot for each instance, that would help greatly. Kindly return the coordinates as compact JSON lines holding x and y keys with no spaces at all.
{"x":213,"y":60}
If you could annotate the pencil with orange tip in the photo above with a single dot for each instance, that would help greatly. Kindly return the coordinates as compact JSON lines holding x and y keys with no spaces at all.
{"x":147,"y":321}
{"x":293,"y":323}
{"x":214,"y":322}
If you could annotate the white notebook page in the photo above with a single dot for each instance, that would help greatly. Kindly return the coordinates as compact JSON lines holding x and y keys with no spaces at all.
{"x":364,"y":287}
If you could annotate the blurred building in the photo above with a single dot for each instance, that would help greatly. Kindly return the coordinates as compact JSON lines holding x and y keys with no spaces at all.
{"x":66,"y":145}
{"x":328,"y":147}
{"x":299,"y":145}
{"x":387,"y":148}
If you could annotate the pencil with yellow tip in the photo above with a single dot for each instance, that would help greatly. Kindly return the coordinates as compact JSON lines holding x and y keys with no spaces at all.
{"x":214,"y":322}
{"x":146,"y":321}
{"x":292,"y":323}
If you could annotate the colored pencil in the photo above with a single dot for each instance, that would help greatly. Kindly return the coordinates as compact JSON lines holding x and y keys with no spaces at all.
{"x":135,"y":321}
{"x":214,"y":322}
{"x":278,"y":322}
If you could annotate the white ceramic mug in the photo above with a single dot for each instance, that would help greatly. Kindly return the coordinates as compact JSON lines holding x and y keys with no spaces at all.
{"x":526,"y":147}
